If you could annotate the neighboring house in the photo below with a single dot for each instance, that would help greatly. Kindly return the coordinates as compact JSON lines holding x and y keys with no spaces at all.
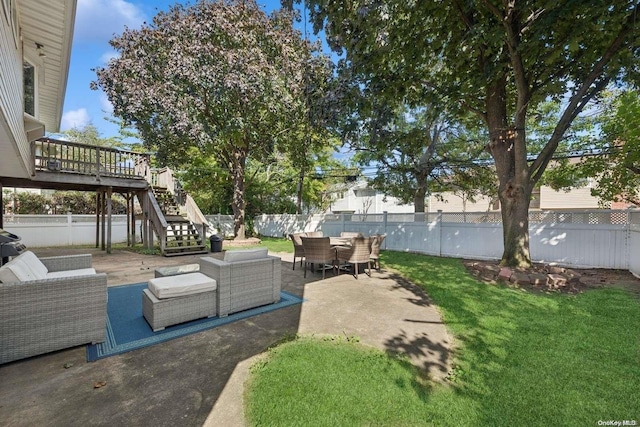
{"x":543,"y":198}
{"x":35,"y":41}
{"x":360,"y":199}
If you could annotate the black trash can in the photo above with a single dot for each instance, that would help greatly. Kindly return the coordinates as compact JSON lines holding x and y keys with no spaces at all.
{"x":216,"y":243}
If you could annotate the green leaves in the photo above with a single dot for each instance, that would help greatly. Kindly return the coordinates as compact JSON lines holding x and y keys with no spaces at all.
{"x":221,"y":77}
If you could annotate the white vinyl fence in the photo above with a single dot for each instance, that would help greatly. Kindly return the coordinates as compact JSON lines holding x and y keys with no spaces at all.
{"x":61,"y":230}
{"x":220,"y":224}
{"x":595,"y":239}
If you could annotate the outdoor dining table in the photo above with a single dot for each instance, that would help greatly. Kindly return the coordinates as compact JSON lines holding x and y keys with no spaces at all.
{"x":340,"y":241}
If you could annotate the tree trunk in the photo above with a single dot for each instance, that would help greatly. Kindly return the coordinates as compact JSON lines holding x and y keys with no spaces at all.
{"x":299,"y":196}
{"x":238,"y":203}
{"x":508,"y":149}
{"x":514,"y":207}
{"x":420,"y":194}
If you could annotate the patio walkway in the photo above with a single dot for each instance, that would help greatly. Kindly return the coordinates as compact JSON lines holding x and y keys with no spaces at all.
{"x":198,"y":380}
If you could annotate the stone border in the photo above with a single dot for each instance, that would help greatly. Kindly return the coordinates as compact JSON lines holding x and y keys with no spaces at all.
{"x":539,"y":276}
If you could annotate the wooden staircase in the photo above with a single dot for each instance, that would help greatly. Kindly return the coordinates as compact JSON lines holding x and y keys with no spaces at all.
{"x":182,"y":236}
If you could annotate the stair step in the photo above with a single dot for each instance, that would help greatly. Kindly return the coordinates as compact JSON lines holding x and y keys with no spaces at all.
{"x":179,"y":219}
{"x":185,"y":251}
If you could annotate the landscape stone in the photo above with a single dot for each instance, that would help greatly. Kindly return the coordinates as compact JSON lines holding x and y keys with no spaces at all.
{"x":538,"y":279}
{"x":556,"y":281}
{"x":556,"y":270}
{"x":505,"y":274}
{"x":520,"y":278}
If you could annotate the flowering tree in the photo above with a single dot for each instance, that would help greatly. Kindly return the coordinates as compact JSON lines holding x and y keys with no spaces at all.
{"x":220,"y":76}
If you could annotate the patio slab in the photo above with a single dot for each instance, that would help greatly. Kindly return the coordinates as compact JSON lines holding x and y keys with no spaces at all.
{"x":199,"y":379}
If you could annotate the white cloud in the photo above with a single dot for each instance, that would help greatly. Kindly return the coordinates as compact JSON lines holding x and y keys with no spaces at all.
{"x":100,"y":20}
{"x":105,"y":104}
{"x":107,"y":56}
{"x":75,"y":119}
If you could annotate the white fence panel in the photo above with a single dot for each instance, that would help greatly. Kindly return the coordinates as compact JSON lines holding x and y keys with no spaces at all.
{"x":419,"y":237}
{"x":634,"y":250}
{"x":475,"y":241}
{"x":596,"y":239}
{"x":282,"y":225}
{"x":38,"y":231}
{"x":580,"y":245}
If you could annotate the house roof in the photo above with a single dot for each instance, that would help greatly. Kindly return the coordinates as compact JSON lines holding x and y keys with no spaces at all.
{"x":49,"y":24}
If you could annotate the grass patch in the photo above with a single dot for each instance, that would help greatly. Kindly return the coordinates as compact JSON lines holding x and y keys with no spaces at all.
{"x":338,"y":386}
{"x":521,"y":359}
{"x":274,"y":244}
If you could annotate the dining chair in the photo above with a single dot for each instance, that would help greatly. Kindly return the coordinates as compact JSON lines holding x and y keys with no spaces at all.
{"x":376,"y":244}
{"x":298,"y":250}
{"x":358,"y":253}
{"x":318,"y":250}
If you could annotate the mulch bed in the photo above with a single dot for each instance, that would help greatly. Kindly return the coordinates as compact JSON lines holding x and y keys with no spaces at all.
{"x":548,"y":278}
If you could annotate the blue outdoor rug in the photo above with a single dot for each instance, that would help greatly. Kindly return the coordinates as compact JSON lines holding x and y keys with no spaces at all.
{"x":127,"y":330}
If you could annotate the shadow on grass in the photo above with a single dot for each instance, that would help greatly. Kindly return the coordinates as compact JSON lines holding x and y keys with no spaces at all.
{"x":531,"y":359}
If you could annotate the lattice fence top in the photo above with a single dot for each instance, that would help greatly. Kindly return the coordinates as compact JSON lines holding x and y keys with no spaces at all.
{"x":595,"y":217}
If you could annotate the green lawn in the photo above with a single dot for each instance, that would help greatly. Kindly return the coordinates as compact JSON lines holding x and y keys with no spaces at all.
{"x":274,"y":244}
{"x":522,"y":359}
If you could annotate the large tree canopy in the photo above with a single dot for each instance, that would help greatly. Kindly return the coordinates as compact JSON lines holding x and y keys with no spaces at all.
{"x":220,"y":76}
{"x":612,"y":158}
{"x":498,"y":59}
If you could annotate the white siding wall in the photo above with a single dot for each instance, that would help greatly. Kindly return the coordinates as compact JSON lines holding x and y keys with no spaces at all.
{"x":576,"y":198}
{"x":371,"y":204}
{"x":12,"y":133}
{"x":452,"y":203}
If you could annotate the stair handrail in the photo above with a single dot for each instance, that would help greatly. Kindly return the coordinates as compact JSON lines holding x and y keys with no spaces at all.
{"x":164,"y":178}
{"x":158,"y":220}
{"x":195,"y":215}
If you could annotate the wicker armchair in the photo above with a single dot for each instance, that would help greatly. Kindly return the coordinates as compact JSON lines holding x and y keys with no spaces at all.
{"x":376,"y":244}
{"x":298,"y":250}
{"x":318,"y":250}
{"x":244,"y":280}
{"x":46,"y":314}
{"x":358,"y":253}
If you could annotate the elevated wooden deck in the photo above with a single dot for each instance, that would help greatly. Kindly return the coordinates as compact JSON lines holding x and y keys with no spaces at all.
{"x":66,"y":165}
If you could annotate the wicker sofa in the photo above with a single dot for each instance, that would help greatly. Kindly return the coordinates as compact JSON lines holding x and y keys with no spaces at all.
{"x":49,"y":304}
{"x":245,"y":279}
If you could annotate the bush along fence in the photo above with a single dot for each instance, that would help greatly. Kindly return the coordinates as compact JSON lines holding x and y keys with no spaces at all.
{"x":581,"y":239}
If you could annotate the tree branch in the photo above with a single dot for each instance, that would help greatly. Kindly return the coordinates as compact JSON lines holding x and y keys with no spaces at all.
{"x":582,"y":96}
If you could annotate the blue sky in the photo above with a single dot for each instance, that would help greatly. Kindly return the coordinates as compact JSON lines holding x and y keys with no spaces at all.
{"x":97,"y":21}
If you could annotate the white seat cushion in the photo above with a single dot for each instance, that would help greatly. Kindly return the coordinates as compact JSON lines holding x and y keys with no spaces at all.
{"x":181,"y":285}
{"x":71,"y":273}
{"x":20,"y":271}
{"x":245,"y":255}
{"x":7,"y":275}
{"x":38,"y":269}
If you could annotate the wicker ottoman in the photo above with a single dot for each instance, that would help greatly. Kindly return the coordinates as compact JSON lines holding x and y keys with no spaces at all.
{"x":177,"y":299}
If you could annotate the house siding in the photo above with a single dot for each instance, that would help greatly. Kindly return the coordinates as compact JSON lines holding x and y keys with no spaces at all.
{"x":453,"y":203}
{"x":576,"y":198}
{"x":13,"y":141}
{"x":361,"y":200}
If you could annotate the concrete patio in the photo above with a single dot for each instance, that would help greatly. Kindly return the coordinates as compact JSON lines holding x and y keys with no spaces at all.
{"x":198,"y":379}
